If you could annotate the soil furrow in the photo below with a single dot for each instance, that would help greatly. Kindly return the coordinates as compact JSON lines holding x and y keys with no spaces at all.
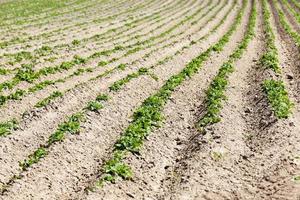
{"x":236,"y":158}
{"x":49,"y":119}
{"x":105,"y":36}
{"x":90,"y":59}
{"x":93,"y":129}
{"x":52,"y":31}
{"x":292,"y":20}
{"x":166,"y":100}
{"x":151,"y":166}
{"x":53,"y":36}
{"x":70,"y":80}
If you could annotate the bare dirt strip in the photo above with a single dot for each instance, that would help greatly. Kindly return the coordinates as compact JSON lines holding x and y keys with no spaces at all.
{"x":248,"y":153}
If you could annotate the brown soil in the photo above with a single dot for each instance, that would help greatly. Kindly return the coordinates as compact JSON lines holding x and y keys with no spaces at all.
{"x":249,"y":154}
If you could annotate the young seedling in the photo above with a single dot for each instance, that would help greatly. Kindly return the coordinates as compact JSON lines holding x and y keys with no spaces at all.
{"x":94,"y":106}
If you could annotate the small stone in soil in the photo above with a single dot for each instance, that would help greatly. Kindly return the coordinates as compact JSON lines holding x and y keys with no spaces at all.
{"x":290,"y":77}
{"x":248,"y":110}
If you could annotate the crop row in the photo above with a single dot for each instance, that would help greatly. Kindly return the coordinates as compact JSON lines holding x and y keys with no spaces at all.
{"x":27,"y":74}
{"x":292,"y":10}
{"x":30,"y":75}
{"x":56,"y":94}
{"x":71,"y":125}
{"x":23,"y":31}
{"x":22,"y":10}
{"x":285,"y":24}
{"x":77,"y":44}
{"x":64,"y":15}
{"x":216,"y":92}
{"x":275,"y":89}
{"x":149,"y":114}
{"x":118,"y":84}
{"x":76,"y":26}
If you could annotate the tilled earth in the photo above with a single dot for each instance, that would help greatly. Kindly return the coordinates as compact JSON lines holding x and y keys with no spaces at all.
{"x":82,"y":48}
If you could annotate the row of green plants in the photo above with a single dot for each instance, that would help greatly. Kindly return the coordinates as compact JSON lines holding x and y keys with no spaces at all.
{"x":16,"y":10}
{"x":72,"y":126}
{"x":118,"y":33}
{"x":27,"y":73}
{"x":285,"y":24}
{"x":274,"y":89}
{"x":18,"y":39}
{"x":215,"y":95}
{"x":149,"y":114}
{"x":43,"y":36}
{"x":142,"y":71}
{"x":270,"y":58}
{"x":51,"y":70}
{"x":118,"y":84}
{"x":47,"y":100}
{"x":278,"y":97}
{"x":76,"y":27}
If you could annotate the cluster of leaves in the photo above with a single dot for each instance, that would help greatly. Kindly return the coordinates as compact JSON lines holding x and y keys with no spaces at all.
{"x":278,"y":97}
{"x":4,"y":44}
{"x":149,"y":115}
{"x":94,"y":106}
{"x":121,"y":66}
{"x":215,"y":92}
{"x":102,"y":63}
{"x":40,"y":153}
{"x":4,"y":71}
{"x":7,"y":127}
{"x":43,"y":51}
{"x":102,"y":97}
{"x":23,"y":55}
{"x":26,"y":73}
{"x":115,"y":168}
{"x":17,"y":95}
{"x":42,"y":85}
{"x":75,"y":42}
{"x":26,"y":55}
{"x":97,"y":104}
{"x":8,"y":84}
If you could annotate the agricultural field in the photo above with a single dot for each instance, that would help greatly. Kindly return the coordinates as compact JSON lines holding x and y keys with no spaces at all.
{"x":154,"y":100}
